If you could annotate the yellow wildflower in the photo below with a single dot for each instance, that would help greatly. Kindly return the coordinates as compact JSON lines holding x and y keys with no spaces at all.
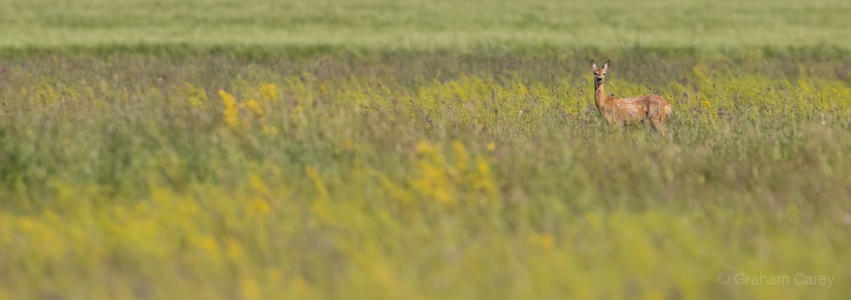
{"x":258,"y":185}
{"x":483,"y":167}
{"x":190,"y":91}
{"x":209,"y":245}
{"x":195,"y":102}
{"x":269,"y":91}
{"x":523,"y":90}
{"x":269,"y":130}
{"x":254,"y":107}
{"x":231,"y":113}
{"x":434,"y":183}
{"x":804,"y":87}
{"x":424,"y":147}
{"x":259,"y":207}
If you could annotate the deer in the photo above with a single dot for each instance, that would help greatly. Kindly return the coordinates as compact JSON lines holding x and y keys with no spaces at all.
{"x":622,"y":111}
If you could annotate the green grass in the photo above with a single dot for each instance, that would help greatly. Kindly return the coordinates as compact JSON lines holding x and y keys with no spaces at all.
{"x":426,"y":24}
{"x":397,"y":150}
{"x":419,"y":174}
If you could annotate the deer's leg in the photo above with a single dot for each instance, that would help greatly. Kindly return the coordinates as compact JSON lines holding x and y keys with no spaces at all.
{"x":657,"y":119}
{"x":657,"y":125}
{"x":662,"y":117}
{"x":610,"y":119}
{"x":663,"y":113}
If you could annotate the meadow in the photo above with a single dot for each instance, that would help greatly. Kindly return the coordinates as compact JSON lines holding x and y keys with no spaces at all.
{"x":419,"y":150}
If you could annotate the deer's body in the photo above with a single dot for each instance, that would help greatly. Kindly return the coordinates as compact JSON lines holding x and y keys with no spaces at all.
{"x":622,"y":111}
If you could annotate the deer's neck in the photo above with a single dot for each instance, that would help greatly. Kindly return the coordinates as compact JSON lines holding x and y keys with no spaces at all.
{"x":599,"y":94}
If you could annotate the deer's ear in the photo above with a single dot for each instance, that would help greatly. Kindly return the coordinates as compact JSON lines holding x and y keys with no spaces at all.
{"x":593,"y":65}
{"x":606,"y":65}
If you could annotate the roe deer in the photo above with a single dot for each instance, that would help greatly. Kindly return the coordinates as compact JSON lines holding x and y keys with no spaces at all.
{"x":622,"y":111}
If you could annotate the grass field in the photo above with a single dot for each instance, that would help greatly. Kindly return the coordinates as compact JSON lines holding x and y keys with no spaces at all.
{"x":381,"y":24}
{"x":426,"y":150}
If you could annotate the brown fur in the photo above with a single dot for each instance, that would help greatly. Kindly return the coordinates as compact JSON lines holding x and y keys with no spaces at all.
{"x":622,"y":111}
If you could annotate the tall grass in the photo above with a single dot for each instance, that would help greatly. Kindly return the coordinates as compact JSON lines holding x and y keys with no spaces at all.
{"x":420,"y":174}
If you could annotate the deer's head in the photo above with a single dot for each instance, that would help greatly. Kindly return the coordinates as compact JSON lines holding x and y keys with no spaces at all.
{"x":600,"y":73}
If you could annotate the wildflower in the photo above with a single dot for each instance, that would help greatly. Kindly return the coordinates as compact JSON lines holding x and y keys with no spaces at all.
{"x":523,"y":90}
{"x":434,"y":183}
{"x":269,"y":130}
{"x":460,"y":156}
{"x":189,"y":90}
{"x":231,"y":113}
{"x":259,"y":207}
{"x":424,"y":147}
{"x":254,"y":107}
{"x":195,"y":102}
{"x":483,"y":179}
{"x":209,"y":245}
{"x":804,"y":87}
{"x":269,"y":91}
{"x":460,"y":91}
{"x":491,"y":146}
{"x":258,"y":185}
{"x":482,"y":167}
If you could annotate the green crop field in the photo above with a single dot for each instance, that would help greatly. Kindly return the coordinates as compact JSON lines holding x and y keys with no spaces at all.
{"x":382,"y":24}
{"x":375,"y":149}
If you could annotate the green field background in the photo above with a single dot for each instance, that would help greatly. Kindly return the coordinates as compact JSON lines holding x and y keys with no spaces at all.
{"x":426,"y":24}
{"x":379,"y":149}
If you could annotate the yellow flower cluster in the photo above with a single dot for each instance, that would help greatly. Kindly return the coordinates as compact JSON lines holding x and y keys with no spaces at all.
{"x":447,"y":181}
{"x":255,"y":111}
{"x":269,"y":92}
{"x":231,"y":113}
